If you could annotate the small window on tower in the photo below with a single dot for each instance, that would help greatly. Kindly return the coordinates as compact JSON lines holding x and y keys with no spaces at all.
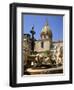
{"x":42,"y":45}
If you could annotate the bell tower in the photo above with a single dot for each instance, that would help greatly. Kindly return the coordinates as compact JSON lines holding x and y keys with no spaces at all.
{"x":46,"y":32}
{"x":46,"y":37}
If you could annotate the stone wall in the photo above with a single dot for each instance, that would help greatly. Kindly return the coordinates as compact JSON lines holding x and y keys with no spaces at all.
{"x":46,"y":46}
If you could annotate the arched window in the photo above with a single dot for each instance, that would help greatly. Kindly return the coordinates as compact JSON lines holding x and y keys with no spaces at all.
{"x":42,"y":44}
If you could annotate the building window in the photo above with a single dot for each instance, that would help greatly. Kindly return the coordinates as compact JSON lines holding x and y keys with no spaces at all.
{"x":42,"y":45}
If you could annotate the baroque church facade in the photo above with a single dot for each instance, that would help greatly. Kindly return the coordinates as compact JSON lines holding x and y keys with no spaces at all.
{"x":45,"y":47}
{"x":45,"y":42}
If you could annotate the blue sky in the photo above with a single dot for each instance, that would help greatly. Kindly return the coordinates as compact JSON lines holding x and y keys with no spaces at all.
{"x":55,"y":22}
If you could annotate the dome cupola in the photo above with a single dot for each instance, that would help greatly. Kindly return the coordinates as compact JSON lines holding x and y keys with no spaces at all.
{"x":46,"y":32}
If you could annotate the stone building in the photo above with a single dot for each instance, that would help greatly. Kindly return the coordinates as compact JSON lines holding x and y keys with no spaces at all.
{"x":44,"y":44}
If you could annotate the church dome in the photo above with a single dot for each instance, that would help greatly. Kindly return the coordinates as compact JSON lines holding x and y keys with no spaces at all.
{"x":46,"y":30}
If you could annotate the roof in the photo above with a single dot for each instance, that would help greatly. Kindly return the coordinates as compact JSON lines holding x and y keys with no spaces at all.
{"x":46,"y":30}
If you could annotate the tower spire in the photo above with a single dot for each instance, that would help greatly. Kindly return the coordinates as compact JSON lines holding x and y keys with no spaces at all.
{"x":46,"y":22}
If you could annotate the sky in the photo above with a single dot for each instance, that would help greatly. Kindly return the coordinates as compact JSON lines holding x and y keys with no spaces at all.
{"x":55,"y":23}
